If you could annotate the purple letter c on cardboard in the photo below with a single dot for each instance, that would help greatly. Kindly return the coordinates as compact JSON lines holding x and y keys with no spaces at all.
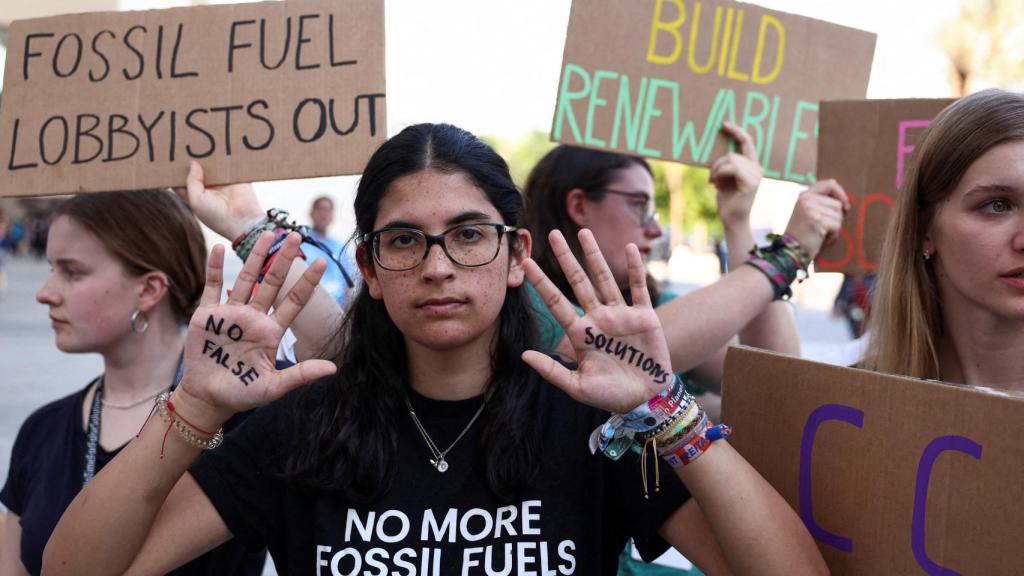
{"x":814,"y":420}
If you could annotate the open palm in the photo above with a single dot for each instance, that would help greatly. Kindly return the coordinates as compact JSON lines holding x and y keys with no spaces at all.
{"x":230,"y":350}
{"x":622,"y":354}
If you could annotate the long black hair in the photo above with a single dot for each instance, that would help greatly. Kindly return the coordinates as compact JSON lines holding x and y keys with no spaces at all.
{"x":348,"y":423}
{"x":560,"y":171}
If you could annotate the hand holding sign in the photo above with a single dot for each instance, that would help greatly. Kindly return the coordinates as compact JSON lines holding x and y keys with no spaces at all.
{"x":622,"y":353}
{"x":227,"y":210}
{"x":736,"y":178}
{"x":818,"y":215}
{"x":230,"y":351}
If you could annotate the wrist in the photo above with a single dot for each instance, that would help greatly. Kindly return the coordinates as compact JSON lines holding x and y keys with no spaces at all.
{"x":242,"y":224}
{"x":203,"y":415}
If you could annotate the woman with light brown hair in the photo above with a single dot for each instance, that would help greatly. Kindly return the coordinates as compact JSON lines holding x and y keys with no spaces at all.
{"x":950,"y":293}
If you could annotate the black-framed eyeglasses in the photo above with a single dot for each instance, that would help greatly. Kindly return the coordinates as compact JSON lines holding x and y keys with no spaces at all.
{"x":642,"y":202}
{"x":468,"y":245}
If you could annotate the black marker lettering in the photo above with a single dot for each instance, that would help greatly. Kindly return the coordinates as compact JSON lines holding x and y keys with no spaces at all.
{"x":63,"y":144}
{"x":300,"y":40}
{"x":632,"y":354}
{"x":265,"y":120}
{"x":235,"y":332}
{"x":250,"y":375}
{"x":174,"y":57}
{"x":174,"y":132}
{"x":321,"y":128}
{"x":330,"y":40}
{"x":355,"y":118}
{"x":600,"y":340}
{"x":211,"y":326}
{"x":372,"y":106}
{"x":57,"y":51}
{"x":620,"y":350}
{"x":159,"y":51}
{"x":96,"y":50}
{"x":29,"y":53}
{"x":648,"y":364}
{"x":128,"y":44}
{"x":14,"y":147}
{"x":589,"y":338}
{"x":662,"y":376}
{"x":227,"y":124}
{"x":111,"y":130}
{"x":238,"y":368}
{"x":207,"y":346}
{"x":263,"y":43}
{"x":148,"y":129}
{"x":192,"y":125}
{"x":87,"y":133}
{"x":608,"y":346}
{"x":232,"y":45}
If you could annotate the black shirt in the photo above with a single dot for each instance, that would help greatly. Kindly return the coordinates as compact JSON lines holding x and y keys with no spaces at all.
{"x":574,"y":519}
{"x":46,"y":474}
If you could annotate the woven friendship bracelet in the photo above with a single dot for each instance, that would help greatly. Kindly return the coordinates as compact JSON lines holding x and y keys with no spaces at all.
{"x":618,"y":435}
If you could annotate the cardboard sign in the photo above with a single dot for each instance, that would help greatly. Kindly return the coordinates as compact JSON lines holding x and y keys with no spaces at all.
{"x":657,"y":78}
{"x":123,"y":100}
{"x":890,"y":475}
{"x":866,"y":146}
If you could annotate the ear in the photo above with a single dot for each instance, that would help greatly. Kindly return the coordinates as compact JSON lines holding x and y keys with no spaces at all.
{"x":927,"y":245}
{"x":516,"y":274}
{"x":576,"y":206}
{"x":152,"y":289}
{"x":365,"y":262}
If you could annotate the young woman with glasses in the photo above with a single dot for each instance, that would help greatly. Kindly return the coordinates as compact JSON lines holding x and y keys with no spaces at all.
{"x":437,"y":446}
{"x":612,"y":195}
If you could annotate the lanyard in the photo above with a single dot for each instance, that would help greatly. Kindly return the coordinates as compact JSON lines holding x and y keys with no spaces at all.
{"x":93,"y":441}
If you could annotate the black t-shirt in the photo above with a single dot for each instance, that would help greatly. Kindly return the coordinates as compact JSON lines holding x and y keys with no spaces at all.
{"x":46,"y":474}
{"x":574,"y":518}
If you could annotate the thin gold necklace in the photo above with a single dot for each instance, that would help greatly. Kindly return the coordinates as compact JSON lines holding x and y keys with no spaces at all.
{"x":438,"y":461}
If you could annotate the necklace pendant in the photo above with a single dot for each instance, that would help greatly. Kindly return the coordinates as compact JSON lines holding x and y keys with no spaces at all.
{"x":440,"y":465}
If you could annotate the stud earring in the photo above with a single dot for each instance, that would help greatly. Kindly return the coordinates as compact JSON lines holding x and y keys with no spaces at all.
{"x":927,"y":255}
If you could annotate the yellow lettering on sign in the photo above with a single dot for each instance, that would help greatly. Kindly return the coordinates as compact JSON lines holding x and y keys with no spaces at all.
{"x":672,"y":28}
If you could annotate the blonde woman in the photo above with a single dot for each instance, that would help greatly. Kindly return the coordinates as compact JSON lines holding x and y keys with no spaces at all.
{"x":950,"y":300}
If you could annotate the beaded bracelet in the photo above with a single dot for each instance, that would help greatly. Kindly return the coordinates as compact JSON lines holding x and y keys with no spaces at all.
{"x":670,"y":422}
{"x":619,"y":434}
{"x":276,"y":221}
{"x":188,"y":431}
{"x":783,"y":261}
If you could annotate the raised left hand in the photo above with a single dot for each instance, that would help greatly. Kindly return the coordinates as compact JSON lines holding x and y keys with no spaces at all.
{"x":622,"y":354}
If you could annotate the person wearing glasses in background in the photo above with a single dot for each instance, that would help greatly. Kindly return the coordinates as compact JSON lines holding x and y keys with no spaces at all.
{"x":612,"y":195}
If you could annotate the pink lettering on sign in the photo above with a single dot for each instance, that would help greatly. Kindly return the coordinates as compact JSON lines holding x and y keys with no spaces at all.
{"x":902,"y":150}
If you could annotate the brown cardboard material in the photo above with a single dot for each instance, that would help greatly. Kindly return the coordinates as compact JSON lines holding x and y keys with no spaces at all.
{"x":635,"y":81}
{"x":866,"y":145}
{"x":891,"y":475}
{"x":260,"y":91}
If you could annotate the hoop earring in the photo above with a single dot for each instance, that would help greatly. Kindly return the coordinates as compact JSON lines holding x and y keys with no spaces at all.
{"x":145,"y":321}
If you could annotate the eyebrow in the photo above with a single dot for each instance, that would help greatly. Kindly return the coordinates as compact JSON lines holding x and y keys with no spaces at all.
{"x":467,"y":216}
{"x":66,"y":262}
{"x":990,"y":189}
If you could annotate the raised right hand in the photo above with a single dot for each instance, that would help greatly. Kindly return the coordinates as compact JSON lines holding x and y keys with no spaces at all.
{"x":818,"y":215}
{"x":227,"y":210}
{"x":231,"y":347}
{"x":736,"y":177}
